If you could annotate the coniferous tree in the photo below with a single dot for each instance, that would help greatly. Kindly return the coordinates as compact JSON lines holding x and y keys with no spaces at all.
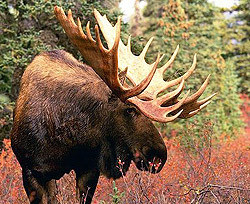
{"x":196,"y":25}
{"x":28,"y":28}
{"x":136,"y":20}
{"x":238,"y":42}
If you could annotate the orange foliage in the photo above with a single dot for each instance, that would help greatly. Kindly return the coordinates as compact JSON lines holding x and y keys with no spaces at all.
{"x":161,"y":22}
{"x":185,"y":35}
{"x":11,"y":185}
{"x":222,"y":169}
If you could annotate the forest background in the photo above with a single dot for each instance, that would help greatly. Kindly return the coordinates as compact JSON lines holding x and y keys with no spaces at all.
{"x":209,"y":153}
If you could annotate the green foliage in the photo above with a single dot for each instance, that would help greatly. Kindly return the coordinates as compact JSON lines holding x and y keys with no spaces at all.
{"x":196,"y":26}
{"x":237,"y":42}
{"x":116,"y":196}
{"x":6,"y":121}
{"x":28,"y":28}
{"x":22,"y":25}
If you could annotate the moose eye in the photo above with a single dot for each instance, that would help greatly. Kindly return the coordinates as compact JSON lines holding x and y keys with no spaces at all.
{"x":130,"y":112}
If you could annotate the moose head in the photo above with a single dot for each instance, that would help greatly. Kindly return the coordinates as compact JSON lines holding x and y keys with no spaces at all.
{"x":71,"y":116}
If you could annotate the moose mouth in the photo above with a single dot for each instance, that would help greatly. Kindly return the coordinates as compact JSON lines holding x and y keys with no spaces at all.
{"x":153,"y":165}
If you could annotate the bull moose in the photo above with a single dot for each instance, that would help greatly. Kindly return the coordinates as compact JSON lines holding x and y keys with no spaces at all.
{"x":73,"y":116}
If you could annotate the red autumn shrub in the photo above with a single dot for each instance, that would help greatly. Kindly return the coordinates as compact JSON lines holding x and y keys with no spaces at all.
{"x":196,"y":174}
{"x":11,"y":185}
{"x":210,"y":174}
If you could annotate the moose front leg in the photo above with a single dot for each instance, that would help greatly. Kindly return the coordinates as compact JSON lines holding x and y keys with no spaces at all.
{"x":51,"y":190}
{"x":86,"y":184}
{"x":35,"y":191}
{"x":39,"y":192}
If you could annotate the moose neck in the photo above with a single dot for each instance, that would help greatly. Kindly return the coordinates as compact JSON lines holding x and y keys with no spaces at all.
{"x":114,"y":146}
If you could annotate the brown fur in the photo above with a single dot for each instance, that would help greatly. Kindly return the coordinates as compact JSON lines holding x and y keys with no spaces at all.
{"x":67,"y":118}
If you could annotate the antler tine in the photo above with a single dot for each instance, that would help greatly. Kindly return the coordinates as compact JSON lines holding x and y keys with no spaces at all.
{"x":186,"y":114}
{"x":177,"y":105}
{"x":145,"y":49}
{"x":160,"y":118}
{"x":163,"y":55}
{"x":129,"y":43}
{"x":87,"y":29}
{"x":117,"y":35}
{"x":70,"y":17}
{"x":98,"y":38}
{"x":170,"y":61}
{"x":185,"y":76}
{"x":169,"y":118}
{"x":169,"y":96}
{"x":203,"y":101}
{"x":197,"y":94}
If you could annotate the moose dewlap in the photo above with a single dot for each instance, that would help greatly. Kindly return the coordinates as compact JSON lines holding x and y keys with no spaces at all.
{"x":88,"y":118}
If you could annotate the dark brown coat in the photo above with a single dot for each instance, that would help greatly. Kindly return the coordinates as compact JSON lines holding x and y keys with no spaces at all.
{"x":67,"y":118}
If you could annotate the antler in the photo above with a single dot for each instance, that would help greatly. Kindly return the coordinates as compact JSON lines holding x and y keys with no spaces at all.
{"x":137,"y":68}
{"x":103,"y":61}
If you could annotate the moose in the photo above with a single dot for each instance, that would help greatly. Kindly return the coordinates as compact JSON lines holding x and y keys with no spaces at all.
{"x":87,"y":118}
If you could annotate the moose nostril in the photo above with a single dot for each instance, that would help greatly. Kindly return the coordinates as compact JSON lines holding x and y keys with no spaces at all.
{"x":156,"y":165}
{"x":157,"y":160}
